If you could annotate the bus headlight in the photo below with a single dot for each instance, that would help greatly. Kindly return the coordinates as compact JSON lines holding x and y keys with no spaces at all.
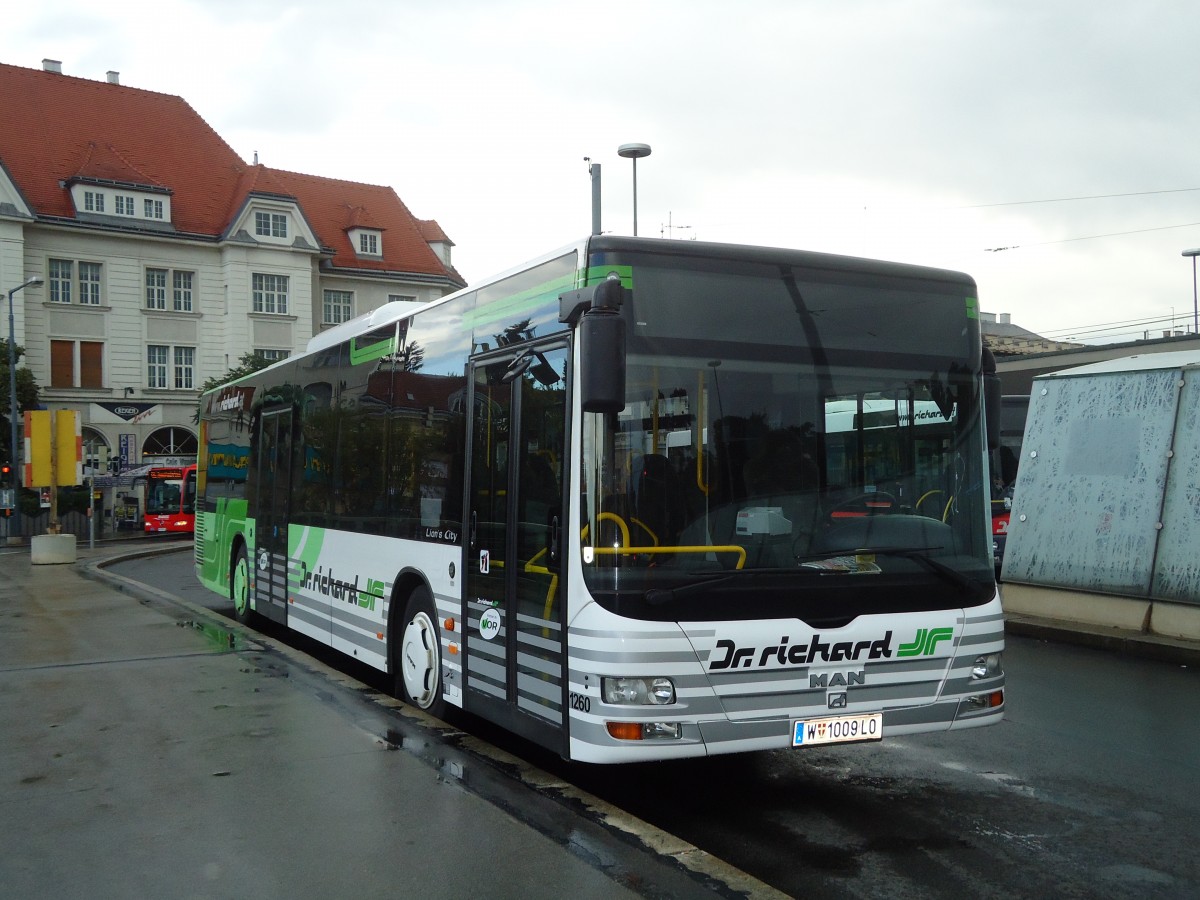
{"x":656,"y":691}
{"x":989,"y":666}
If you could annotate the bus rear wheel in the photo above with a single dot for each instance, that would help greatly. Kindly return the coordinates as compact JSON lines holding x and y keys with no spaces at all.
{"x":418,"y":666}
{"x":239,"y":586}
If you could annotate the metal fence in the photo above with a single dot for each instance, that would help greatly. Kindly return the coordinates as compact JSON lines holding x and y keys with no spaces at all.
{"x":75,"y":523}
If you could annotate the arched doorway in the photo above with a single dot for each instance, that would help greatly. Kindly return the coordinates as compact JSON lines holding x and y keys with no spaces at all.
{"x":96,"y":451}
{"x":171,"y":445}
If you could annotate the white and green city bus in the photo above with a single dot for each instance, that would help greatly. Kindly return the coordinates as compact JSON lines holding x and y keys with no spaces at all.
{"x":639,"y":499}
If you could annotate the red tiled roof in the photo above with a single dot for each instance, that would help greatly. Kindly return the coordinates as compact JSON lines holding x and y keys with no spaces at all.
{"x":433,"y":232}
{"x":360,"y":217}
{"x":55,"y":128}
{"x":104,"y":162}
{"x":51,"y":123}
{"x":414,"y":390}
{"x":333,"y":207}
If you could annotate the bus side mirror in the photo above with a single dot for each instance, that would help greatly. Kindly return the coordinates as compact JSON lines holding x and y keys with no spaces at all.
{"x":991,"y":400}
{"x":596,"y":312}
{"x":602,"y":362}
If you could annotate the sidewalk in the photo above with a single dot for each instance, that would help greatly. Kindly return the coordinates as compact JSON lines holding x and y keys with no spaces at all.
{"x":1117,"y":640}
{"x":151,"y":750}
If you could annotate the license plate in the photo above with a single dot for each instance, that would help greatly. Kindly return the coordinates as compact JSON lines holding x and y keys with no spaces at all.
{"x":838,"y":730}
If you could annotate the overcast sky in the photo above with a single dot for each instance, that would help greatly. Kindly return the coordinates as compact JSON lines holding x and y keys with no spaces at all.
{"x":929,"y":131}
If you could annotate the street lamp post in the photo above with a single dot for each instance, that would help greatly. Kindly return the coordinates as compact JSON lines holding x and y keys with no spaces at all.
{"x":12,"y":402}
{"x":634,"y":152}
{"x":1195,"y":305}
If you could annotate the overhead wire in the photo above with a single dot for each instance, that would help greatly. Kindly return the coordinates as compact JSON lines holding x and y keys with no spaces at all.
{"x":1068,"y":199}
{"x":1090,"y":237}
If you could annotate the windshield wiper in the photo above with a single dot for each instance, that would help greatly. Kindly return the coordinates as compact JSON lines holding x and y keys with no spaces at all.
{"x":659,"y":596}
{"x":948,"y":573}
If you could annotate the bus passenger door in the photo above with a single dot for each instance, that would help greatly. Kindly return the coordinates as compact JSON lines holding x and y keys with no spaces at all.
{"x":513,"y":610}
{"x":273,"y":476}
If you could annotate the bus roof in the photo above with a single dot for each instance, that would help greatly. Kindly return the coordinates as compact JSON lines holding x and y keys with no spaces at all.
{"x":395,"y":311}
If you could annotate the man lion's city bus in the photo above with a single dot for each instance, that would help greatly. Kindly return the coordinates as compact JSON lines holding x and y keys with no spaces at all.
{"x":170,"y":500}
{"x":640,"y":499}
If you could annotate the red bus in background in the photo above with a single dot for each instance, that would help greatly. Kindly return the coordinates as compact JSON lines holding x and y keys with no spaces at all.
{"x":170,"y":500}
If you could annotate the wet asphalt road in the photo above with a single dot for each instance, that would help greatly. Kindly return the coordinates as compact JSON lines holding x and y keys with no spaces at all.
{"x":1087,"y":789}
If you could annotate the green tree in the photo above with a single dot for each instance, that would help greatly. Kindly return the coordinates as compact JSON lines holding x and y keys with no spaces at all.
{"x":27,"y":395}
{"x":249,"y":363}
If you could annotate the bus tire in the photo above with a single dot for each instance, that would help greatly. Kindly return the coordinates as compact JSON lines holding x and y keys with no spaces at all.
{"x":239,"y":586}
{"x":418,"y":662}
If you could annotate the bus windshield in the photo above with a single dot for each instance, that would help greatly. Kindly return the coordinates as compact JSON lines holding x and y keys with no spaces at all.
{"x":168,"y":492}
{"x":793,"y":443}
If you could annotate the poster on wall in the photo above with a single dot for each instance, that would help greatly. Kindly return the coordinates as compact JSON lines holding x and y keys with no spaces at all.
{"x":127,"y":450}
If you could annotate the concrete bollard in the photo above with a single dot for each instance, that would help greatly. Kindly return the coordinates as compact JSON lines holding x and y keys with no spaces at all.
{"x":52,"y":549}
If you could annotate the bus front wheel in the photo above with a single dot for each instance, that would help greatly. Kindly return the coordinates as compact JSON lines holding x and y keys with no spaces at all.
{"x":418,"y":669}
{"x":239,"y":586}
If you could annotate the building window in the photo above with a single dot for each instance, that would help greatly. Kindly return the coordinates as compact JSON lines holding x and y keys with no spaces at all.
{"x":272,"y":355}
{"x":76,"y":364}
{"x":152,"y":209}
{"x":156,"y":289}
{"x":270,"y":293}
{"x":89,"y":283}
{"x":185,"y":368}
{"x":62,"y":273}
{"x":93,"y":201}
{"x":183,"y":291}
{"x":368,"y":244}
{"x":63,"y":284}
{"x":338,"y":308}
{"x":404,"y":298}
{"x":270,"y":224}
{"x":170,"y":441}
{"x":162,"y":373}
{"x":156,"y":365}
{"x":125,"y":205}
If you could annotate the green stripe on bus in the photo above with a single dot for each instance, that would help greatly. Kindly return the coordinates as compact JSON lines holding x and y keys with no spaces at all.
{"x":531,"y":298}
{"x":368,"y":352}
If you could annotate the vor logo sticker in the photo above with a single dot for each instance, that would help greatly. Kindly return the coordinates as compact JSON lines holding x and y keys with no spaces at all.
{"x":489,"y":623}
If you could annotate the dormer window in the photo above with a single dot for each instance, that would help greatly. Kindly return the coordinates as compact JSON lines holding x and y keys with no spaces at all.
{"x":367,"y":242}
{"x":109,"y":201}
{"x":269,"y":224}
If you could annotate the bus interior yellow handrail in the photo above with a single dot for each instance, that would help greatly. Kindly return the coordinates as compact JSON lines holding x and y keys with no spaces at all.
{"x":698,"y":548}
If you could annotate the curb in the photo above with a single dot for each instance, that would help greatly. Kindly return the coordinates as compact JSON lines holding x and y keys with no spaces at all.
{"x":1114,"y":640}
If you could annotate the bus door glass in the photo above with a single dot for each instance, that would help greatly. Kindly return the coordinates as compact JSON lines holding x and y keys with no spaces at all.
{"x":514,"y":614}
{"x":271,"y":547}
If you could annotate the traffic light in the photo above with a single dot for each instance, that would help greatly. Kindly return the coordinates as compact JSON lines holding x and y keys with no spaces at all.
{"x":6,"y":509}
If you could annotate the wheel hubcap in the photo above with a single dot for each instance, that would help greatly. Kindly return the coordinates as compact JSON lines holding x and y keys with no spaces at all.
{"x":241,"y":598}
{"x":419,"y":660}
